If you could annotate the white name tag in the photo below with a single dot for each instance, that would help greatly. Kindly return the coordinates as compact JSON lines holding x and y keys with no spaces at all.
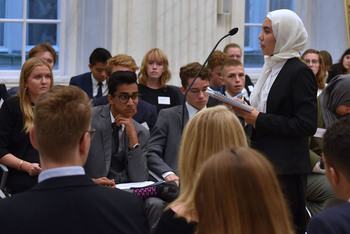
{"x":319,"y":133}
{"x":164,"y":100}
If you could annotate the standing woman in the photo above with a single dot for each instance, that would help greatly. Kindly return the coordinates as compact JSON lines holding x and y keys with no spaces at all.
{"x":153,"y":76}
{"x":314,"y":61}
{"x":286,"y":107}
{"x":342,"y":67}
{"x":16,"y":119}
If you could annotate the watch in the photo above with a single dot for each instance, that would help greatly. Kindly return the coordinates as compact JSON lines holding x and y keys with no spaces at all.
{"x":134,"y":147}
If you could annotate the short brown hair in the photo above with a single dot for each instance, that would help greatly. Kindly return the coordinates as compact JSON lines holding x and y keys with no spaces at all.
{"x":46,"y":46}
{"x":230,"y":63}
{"x":216,"y":59}
{"x":121,"y":60}
{"x":62,"y":115}
{"x":232,"y":45}
{"x":190,"y":71}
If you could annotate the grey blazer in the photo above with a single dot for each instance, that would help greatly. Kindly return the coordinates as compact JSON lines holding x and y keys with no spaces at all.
{"x":100,"y":154}
{"x":162,"y":148}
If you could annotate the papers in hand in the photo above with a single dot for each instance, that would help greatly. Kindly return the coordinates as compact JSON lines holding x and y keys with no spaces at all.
{"x":134,"y":185}
{"x":227,"y":100}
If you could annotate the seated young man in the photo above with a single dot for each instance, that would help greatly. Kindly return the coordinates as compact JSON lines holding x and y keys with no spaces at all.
{"x":116,"y":151}
{"x":94,"y":82}
{"x":162,"y":149}
{"x":66,"y":200}
{"x":146,"y":113}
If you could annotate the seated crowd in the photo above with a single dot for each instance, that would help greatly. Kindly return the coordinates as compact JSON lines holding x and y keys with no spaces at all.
{"x":67,"y":148}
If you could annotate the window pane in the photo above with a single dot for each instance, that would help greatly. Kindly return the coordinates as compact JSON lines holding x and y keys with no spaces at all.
{"x":255,"y":11}
{"x":39,"y":33}
{"x":281,"y":4}
{"x":42,"y":9}
{"x":10,"y":51}
{"x":11,"y":9}
{"x":252,"y":52}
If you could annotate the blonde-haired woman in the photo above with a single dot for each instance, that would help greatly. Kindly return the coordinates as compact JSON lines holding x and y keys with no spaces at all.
{"x":16,"y":118}
{"x":207,"y":132}
{"x":153,"y":76}
{"x":237,"y":192}
{"x":314,"y":61}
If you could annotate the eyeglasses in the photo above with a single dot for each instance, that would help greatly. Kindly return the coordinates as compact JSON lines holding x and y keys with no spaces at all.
{"x":314,"y":61}
{"x":92,"y":132}
{"x":124,"y":98}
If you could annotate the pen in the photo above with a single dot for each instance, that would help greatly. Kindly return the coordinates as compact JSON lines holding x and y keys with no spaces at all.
{"x":237,"y":96}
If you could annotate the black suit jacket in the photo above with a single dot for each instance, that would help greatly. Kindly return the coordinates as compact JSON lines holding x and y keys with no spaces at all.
{"x":291,"y":117}
{"x":83,"y":81}
{"x":72,"y":204}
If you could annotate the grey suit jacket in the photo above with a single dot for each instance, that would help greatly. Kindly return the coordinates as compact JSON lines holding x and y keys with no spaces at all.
{"x":100,"y":154}
{"x":163,"y":146}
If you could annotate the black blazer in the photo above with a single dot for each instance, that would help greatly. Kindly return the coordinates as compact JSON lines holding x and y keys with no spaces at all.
{"x":3,"y":92}
{"x":84,"y":82}
{"x":291,"y":117}
{"x":73,"y":204}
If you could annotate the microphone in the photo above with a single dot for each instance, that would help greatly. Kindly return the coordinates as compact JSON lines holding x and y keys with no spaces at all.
{"x":230,"y":33}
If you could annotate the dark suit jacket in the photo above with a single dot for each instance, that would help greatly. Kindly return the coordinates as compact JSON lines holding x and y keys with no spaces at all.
{"x":333,"y":220}
{"x":291,"y":117}
{"x":72,"y":204}
{"x":100,"y":154}
{"x":163,"y":146}
{"x":84,"y":82}
{"x":145,"y":112}
{"x":3,"y":92}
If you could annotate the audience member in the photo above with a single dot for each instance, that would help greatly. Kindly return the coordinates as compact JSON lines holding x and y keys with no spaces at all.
{"x":226,"y":203}
{"x":207,"y":132}
{"x":116,"y":151}
{"x":333,"y":103}
{"x":44,"y":51}
{"x":234,"y":51}
{"x":215,"y":62}
{"x":342,"y":67}
{"x":314,"y":61}
{"x":66,"y":200}
{"x":146,"y":113}
{"x":153,"y":76}
{"x":286,"y":114}
{"x":94,"y":82}
{"x":162,"y":148}
{"x":335,"y":157}
{"x":17,"y":114}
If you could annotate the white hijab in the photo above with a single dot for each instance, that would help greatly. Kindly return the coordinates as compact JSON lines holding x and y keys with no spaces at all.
{"x":291,"y":37}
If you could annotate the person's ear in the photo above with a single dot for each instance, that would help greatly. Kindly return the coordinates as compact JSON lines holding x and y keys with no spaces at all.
{"x":84,"y":145}
{"x":334,"y":176}
{"x":110,"y":99}
{"x":32,"y":137}
{"x":183,"y":90}
{"x":90,"y":66}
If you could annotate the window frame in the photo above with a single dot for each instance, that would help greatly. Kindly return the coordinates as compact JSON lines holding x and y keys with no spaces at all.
{"x":10,"y":77}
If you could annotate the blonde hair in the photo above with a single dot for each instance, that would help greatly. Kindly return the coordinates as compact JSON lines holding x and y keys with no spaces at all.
{"x":24,"y":99}
{"x":237,"y":192}
{"x":62,"y":116}
{"x":159,"y":56}
{"x":321,"y":74}
{"x":206,"y":133}
{"x":121,"y":60}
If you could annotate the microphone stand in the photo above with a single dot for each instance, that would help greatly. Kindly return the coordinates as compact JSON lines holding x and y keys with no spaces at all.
{"x":231,"y":33}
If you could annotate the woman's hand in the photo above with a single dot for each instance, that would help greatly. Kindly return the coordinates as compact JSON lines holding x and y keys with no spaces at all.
{"x":32,"y":169}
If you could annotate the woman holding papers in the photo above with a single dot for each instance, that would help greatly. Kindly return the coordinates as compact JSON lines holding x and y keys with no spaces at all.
{"x":285,"y":107}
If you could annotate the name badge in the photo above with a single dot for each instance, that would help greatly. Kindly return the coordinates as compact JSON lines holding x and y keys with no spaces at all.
{"x":319,"y":133}
{"x":164,"y":100}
